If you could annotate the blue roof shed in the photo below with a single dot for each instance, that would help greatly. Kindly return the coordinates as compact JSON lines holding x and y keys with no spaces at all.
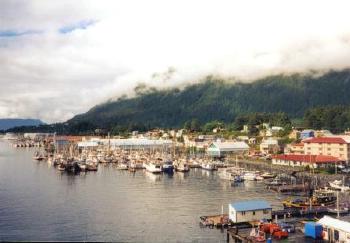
{"x":250,"y":205}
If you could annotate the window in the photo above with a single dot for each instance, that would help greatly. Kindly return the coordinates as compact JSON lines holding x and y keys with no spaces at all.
{"x":328,"y":149}
{"x":253,"y":212}
{"x":243,"y":213}
{"x":341,"y":149}
{"x":266,"y":211}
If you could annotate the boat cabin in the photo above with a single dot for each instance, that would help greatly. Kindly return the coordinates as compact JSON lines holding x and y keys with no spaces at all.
{"x":248,"y":211}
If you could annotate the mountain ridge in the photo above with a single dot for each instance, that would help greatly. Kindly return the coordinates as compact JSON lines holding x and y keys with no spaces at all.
{"x":215,"y":99}
{"x":8,"y":123}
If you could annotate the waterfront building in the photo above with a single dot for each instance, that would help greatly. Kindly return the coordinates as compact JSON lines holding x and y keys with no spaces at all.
{"x":307,"y":134}
{"x":313,"y":161}
{"x":248,"y":211}
{"x":222,"y":149}
{"x":336,"y":146}
{"x":335,"y":230}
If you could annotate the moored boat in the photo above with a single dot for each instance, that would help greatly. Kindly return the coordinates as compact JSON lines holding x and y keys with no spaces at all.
{"x":153,"y":167}
{"x":168,"y":167}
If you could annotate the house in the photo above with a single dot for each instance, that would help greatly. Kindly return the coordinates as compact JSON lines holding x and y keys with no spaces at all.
{"x":269,"y":146}
{"x":335,"y":230}
{"x":336,"y":146}
{"x":323,"y":133}
{"x":307,"y":134}
{"x":221,"y":149}
{"x":313,"y":161}
{"x":248,"y":211}
{"x":243,"y":138}
{"x":294,"y":148}
{"x":276,"y":129}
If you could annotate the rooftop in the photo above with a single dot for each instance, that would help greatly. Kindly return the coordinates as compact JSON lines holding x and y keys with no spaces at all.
{"x":250,"y":205}
{"x":326,"y":140}
{"x":307,"y":158}
{"x":335,"y":223}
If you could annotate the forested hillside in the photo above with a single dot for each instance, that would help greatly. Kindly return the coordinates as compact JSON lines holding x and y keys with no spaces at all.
{"x":215,"y":99}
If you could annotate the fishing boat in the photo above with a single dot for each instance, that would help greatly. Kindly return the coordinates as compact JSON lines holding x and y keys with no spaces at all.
{"x":249,"y":176}
{"x":182,"y":167}
{"x":122,"y":166}
{"x":321,"y":197}
{"x":340,"y":210}
{"x":168,"y":167}
{"x":230,"y":175}
{"x":339,"y":185}
{"x":208,"y":166}
{"x":61,"y":167}
{"x":38,"y":156}
{"x":91,"y":165}
{"x":153,"y":167}
{"x":267,"y":175}
{"x":82,"y":166}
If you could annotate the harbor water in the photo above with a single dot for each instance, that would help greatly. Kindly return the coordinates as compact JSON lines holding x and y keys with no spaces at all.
{"x":38,"y":202}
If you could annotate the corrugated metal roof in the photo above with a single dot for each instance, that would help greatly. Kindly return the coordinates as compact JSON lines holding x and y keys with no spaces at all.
{"x":335,"y":223}
{"x":251,"y":205}
{"x":229,"y":146}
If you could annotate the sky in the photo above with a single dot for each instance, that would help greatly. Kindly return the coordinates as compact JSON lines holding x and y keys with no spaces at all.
{"x":60,"y":58}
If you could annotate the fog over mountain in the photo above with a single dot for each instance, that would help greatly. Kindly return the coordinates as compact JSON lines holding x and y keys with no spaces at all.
{"x":60,"y":58}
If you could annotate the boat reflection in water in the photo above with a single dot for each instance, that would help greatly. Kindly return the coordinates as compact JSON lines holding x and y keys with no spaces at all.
{"x":152,"y":176}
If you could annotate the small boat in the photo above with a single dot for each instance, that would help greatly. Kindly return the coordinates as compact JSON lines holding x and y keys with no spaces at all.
{"x":61,"y":167}
{"x":91,"y":165}
{"x":208,"y":166}
{"x":267,"y":175}
{"x":82,"y":166}
{"x":339,"y":186}
{"x":335,"y":210}
{"x":257,"y":235}
{"x":168,"y":167}
{"x":182,"y":167}
{"x":249,"y":176}
{"x":122,"y":166}
{"x":38,"y":156}
{"x":153,"y":167}
{"x":230,"y":175}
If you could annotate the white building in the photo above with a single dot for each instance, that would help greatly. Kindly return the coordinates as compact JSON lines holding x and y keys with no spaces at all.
{"x":248,"y":211}
{"x":269,"y":146}
{"x":335,"y":230}
{"x":220,"y":149}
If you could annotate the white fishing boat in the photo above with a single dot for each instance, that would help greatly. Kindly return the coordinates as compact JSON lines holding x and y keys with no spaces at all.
{"x":249,"y":176}
{"x":153,"y":167}
{"x":339,"y":185}
{"x":267,"y":175}
{"x":208,"y":166}
{"x":182,"y":167}
{"x":227,"y":174}
{"x":122,"y":166}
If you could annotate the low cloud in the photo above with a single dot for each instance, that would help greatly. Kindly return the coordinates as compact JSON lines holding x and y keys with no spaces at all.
{"x":76,"y":54}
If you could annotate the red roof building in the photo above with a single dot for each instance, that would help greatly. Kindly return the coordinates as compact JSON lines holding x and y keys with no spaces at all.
{"x":306,"y":160}
{"x":337,"y":140}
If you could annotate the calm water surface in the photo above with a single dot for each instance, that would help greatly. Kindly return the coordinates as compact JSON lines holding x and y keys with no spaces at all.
{"x":37,"y":202}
